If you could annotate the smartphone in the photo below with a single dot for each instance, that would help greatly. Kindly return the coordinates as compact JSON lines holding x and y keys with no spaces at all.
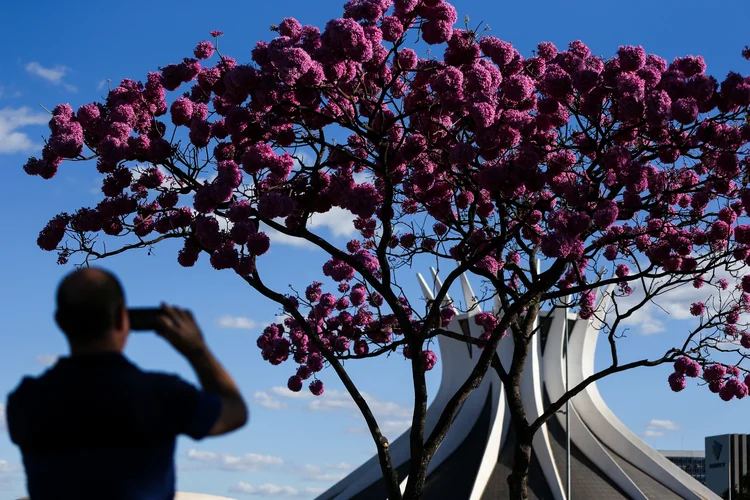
{"x":144,"y":319}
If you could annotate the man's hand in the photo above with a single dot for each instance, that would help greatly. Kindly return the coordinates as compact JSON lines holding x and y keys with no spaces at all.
{"x":178,"y":327}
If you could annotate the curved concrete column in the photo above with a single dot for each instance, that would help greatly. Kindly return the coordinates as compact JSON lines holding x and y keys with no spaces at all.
{"x":594,"y":429}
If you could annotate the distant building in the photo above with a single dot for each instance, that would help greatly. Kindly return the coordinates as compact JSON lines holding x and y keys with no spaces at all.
{"x":692,"y":462}
{"x":726,"y":461}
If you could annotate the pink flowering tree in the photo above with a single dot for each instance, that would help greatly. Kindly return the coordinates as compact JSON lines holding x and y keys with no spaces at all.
{"x":629,"y":171}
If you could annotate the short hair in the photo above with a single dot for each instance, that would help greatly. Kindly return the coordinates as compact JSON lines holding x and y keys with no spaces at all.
{"x":88,"y":303}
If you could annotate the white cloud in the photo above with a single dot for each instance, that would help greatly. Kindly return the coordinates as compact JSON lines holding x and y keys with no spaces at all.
{"x":227,"y":321}
{"x":653,"y":433}
{"x":102,"y":84}
{"x":333,"y":400}
{"x":11,"y":120}
{"x":664,"y":424}
{"x":283,"y":239}
{"x":326,"y":473}
{"x":47,"y":359}
{"x":9,"y":477}
{"x":386,"y":427}
{"x":52,"y":75}
{"x":657,"y":427}
{"x":6,"y":468}
{"x":337,"y":221}
{"x":286,"y":393}
{"x":274,"y":491}
{"x":249,"y":462}
{"x":2,"y":416}
{"x":671,"y":304}
{"x":267,"y":401}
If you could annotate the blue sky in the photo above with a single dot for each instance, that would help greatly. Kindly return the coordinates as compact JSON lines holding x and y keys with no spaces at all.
{"x":65,"y":52}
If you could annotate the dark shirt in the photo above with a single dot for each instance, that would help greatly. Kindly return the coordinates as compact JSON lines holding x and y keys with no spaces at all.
{"x":97,"y":427}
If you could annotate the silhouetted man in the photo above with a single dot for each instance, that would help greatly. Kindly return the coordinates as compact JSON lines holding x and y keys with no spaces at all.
{"x":94,"y":426}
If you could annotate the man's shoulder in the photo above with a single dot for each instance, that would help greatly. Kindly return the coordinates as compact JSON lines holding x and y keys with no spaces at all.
{"x":163,"y":379}
{"x":20,"y":389}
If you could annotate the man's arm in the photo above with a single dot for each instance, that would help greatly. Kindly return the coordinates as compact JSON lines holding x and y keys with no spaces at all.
{"x":179,"y":328}
{"x":215,"y":379}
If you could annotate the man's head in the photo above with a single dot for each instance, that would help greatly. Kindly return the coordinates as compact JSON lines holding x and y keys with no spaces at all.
{"x":91,"y":311}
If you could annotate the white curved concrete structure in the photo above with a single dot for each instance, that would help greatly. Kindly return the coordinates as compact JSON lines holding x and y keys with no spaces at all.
{"x":607,"y":459}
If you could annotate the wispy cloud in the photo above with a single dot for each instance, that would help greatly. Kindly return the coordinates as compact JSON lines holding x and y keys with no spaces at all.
{"x":249,"y":462}
{"x":274,"y":491}
{"x":267,"y":401}
{"x":667,"y":425}
{"x":386,"y":427}
{"x":52,"y":75}
{"x":670,"y":305}
{"x":243,"y":322}
{"x":13,"y":119}
{"x":337,"y":221}
{"x":6,"y":468}
{"x":392,"y":417}
{"x":657,"y":427}
{"x":2,"y":416}
{"x":322,"y":474}
{"x":47,"y":359}
{"x":9,"y":475}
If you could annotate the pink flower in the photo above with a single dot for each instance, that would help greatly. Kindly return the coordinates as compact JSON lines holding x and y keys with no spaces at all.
{"x":697,"y":308}
{"x":677,"y":382}
{"x":622,"y":270}
{"x":204,"y":50}
{"x":407,"y":59}
{"x":436,"y":32}
{"x":338,"y":270}
{"x":225,"y":257}
{"x":547,"y":51}
{"x":714,"y":372}
{"x":182,"y":111}
{"x":291,"y":28}
{"x":631,"y":58}
{"x":316,"y":362}
{"x":358,"y":295}
{"x":304,"y":372}
{"x":518,"y":88}
{"x":606,"y":214}
{"x":258,"y":243}
{"x":430,"y":358}
{"x":361,"y":348}
{"x":392,"y":28}
{"x":693,"y":370}
{"x":316,"y":387}
{"x":727,"y":392}
{"x":685,"y":110}
{"x":295,"y":383}
{"x":346,"y":38}
{"x":499,"y":51}
{"x":273,"y":205}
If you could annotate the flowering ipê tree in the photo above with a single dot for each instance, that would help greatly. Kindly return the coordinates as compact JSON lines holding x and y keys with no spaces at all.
{"x":628,"y":171}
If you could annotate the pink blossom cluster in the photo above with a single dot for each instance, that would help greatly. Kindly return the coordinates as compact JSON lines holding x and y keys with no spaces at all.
{"x":345,"y":325}
{"x":683,"y":367}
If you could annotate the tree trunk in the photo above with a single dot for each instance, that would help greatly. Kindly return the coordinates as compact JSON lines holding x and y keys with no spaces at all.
{"x":415,"y":484}
{"x":518,"y":480}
